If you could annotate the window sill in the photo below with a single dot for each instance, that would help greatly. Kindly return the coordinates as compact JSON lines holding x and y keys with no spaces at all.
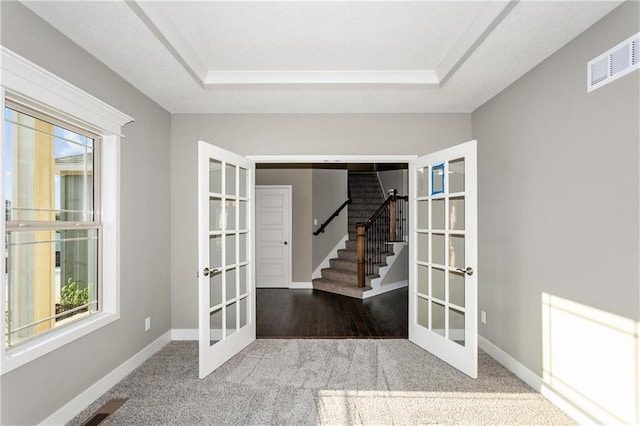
{"x":27,"y":352}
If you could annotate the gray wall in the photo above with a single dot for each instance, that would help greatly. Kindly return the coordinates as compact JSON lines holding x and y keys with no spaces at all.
{"x":300,"y":181}
{"x":398,"y":179}
{"x":36,"y":390}
{"x":558,"y":192}
{"x":399,"y":271}
{"x":329,"y":192}
{"x":273,"y":134}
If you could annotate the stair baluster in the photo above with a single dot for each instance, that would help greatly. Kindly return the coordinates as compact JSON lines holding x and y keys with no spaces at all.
{"x":386,"y":225}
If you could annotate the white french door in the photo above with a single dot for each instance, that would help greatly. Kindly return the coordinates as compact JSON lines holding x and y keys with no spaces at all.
{"x":443,"y":290}
{"x":226,"y":276}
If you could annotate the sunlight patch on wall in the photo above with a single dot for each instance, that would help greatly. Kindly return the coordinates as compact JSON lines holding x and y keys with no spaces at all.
{"x":591,"y":358}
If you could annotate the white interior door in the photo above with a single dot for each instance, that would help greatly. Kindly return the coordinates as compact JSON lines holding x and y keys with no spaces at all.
{"x":226,"y":277}
{"x":443,"y":291}
{"x":273,"y":236}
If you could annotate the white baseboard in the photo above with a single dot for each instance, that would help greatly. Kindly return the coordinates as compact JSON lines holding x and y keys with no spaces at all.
{"x":535,"y":381}
{"x":332,"y":255}
{"x":301,"y":286}
{"x":184,"y":334}
{"x":88,"y":396}
{"x":510,"y":363}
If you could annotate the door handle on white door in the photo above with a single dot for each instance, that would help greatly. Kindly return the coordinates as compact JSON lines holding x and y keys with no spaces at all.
{"x":468,"y":270}
{"x":206,"y":272}
{"x":285,"y":243}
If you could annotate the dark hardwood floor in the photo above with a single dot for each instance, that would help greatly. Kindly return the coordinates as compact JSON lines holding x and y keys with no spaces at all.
{"x":284,"y":313}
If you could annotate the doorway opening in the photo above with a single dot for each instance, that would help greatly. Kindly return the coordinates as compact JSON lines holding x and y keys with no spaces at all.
{"x":320,"y":299}
{"x":442,"y":281}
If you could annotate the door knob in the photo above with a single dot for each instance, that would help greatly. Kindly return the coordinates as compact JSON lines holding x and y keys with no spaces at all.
{"x":285,"y":243}
{"x":206,"y":272}
{"x":468,"y":270}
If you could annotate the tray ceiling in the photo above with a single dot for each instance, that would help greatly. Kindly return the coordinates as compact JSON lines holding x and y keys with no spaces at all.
{"x":321,"y":56}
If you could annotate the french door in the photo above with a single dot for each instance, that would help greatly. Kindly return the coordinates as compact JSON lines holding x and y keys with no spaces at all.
{"x":443,"y":280}
{"x":226,"y":276}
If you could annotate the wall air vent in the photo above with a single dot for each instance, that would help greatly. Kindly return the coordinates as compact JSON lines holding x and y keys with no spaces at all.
{"x":618,"y":61}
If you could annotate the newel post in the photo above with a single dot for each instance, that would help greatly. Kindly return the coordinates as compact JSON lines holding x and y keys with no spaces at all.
{"x":360,"y":249}
{"x":392,"y":216}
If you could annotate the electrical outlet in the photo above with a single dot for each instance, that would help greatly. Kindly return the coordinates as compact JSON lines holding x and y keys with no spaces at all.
{"x":483,"y":317}
{"x":147,"y":323}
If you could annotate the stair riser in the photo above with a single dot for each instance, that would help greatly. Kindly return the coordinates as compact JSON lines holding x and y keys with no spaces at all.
{"x":352,"y":221}
{"x":343,"y":276}
{"x":369,"y":207}
{"x":352,"y":256}
{"x":361,"y":213}
{"x":337,"y":288}
{"x":365,"y":188}
{"x":346,"y":278}
{"x":373,"y":199}
{"x":347,"y":254}
{"x":356,"y":194}
{"x":342,"y":265}
{"x":352,"y":244}
{"x":363,"y":178}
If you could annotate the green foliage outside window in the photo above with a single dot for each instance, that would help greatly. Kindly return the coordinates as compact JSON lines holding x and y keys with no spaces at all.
{"x":71,"y":294}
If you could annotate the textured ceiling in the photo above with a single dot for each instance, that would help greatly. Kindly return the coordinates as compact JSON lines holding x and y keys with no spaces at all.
{"x":323,"y":35}
{"x":321,"y":56}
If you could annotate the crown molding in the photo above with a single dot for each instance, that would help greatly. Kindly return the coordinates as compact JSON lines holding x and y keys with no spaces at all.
{"x":487,"y":20}
{"x":422,"y":77}
{"x":154,"y":18}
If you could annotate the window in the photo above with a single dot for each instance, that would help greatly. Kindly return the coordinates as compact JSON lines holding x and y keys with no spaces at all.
{"x":52,"y":234}
{"x":60,"y":178}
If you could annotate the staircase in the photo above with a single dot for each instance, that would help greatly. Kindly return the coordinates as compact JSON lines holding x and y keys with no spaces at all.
{"x":341,"y":277}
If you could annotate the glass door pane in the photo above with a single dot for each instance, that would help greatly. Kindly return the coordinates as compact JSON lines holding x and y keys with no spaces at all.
{"x":440,"y":244}
{"x":229,"y":247}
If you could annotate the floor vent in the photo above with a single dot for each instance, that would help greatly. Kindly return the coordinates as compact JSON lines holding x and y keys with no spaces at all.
{"x":618,"y":61}
{"x":105,"y":411}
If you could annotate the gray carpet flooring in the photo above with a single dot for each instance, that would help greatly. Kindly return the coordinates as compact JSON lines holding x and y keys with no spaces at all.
{"x":337,"y":382}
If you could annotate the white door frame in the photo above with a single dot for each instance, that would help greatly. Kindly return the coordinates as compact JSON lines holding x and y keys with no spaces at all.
{"x":289,"y":250}
{"x":283,"y":159}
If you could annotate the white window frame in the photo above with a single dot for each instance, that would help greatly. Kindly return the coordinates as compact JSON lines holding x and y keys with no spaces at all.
{"x":28,"y":84}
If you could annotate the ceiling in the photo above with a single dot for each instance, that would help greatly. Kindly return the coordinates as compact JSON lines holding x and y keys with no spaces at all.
{"x":321,"y":56}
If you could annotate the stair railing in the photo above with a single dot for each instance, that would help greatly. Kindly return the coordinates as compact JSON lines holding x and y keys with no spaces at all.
{"x":333,"y":216}
{"x":386,"y":225}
